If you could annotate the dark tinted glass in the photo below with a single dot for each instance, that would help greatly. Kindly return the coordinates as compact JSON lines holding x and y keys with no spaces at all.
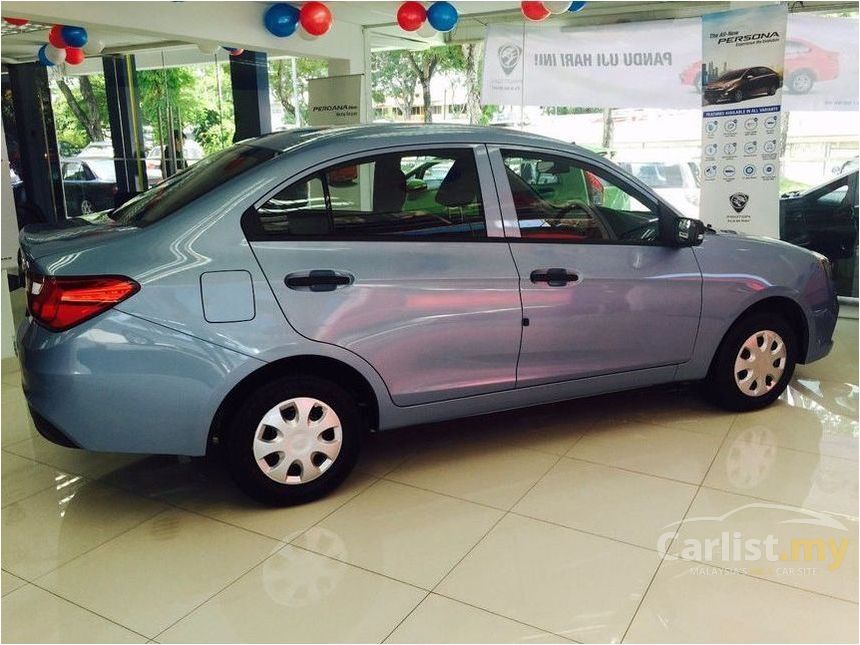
{"x":558,"y":200}
{"x":183,"y":188}
{"x":400,"y":195}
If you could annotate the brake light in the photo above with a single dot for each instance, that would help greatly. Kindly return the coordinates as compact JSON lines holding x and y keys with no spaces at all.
{"x":60,"y":303}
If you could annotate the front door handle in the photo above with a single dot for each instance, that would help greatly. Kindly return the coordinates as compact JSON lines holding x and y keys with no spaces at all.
{"x":318,"y":280}
{"x":554,"y":277}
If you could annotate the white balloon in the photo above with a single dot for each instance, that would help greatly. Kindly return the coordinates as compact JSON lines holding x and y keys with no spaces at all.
{"x":208,"y":48}
{"x":305,"y":35}
{"x":94,"y":46}
{"x":557,"y":7}
{"x":426,"y":30}
{"x":55,"y":54}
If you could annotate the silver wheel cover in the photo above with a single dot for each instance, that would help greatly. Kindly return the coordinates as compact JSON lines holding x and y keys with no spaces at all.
{"x":760,"y":363}
{"x":297,"y":440}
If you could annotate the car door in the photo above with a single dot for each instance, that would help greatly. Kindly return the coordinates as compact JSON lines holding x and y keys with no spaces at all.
{"x":413,"y":276}
{"x":830,"y":215}
{"x":601,"y":294}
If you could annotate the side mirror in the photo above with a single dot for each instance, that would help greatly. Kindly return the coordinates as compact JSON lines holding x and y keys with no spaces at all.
{"x":688,"y":232}
{"x":415,"y":185}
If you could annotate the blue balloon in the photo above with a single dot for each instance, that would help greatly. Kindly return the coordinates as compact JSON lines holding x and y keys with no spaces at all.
{"x":442,"y":16}
{"x":44,"y":59}
{"x":281,"y":19}
{"x":74,"y":36}
{"x":576,"y":6}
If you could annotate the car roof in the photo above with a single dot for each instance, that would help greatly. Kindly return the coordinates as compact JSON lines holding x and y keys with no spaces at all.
{"x":407,"y":134}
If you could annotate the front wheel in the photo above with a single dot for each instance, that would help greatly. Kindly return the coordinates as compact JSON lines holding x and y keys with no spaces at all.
{"x":754,"y":363}
{"x":294,"y":440}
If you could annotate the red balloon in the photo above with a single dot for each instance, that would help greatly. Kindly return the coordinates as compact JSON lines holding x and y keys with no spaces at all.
{"x":411,"y":15}
{"x":74,"y":55}
{"x":315,"y":18}
{"x":55,"y":37}
{"x":18,"y":22}
{"x":534,"y":10}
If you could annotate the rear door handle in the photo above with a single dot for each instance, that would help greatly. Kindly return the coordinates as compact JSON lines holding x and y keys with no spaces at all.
{"x":318,"y":280}
{"x":554,"y":277}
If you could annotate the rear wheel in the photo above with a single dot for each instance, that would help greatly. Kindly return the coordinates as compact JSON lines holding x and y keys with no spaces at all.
{"x":754,"y":363}
{"x":801,"y":81}
{"x":294,"y":440}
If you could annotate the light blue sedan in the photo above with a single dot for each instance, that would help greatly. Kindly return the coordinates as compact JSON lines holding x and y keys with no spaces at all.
{"x":284,"y":296}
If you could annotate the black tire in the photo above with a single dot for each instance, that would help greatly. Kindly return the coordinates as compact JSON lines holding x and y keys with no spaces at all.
{"x":720,"y":386}
{"x":771,"y":90}
{"x":738,"y":96}
{"x":238,"y":444}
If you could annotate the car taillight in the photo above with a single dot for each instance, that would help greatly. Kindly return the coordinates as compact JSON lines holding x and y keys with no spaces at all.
{"x":60,"y":303}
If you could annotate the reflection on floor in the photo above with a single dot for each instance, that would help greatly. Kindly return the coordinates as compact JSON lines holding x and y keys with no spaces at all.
{"x":645,"y":516}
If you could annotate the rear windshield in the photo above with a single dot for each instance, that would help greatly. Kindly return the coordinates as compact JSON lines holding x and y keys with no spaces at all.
{"x":184,"y":187}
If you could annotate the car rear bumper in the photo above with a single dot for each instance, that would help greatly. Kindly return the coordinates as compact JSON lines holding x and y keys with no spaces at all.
{"x":119,"y":383}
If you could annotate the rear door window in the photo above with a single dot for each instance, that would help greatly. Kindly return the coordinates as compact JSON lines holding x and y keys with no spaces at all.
{"x":402,"y":195}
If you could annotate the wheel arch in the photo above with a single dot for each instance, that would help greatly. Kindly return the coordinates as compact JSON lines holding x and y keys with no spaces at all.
{"x":323,"y":367}
{"x":780,"y":305}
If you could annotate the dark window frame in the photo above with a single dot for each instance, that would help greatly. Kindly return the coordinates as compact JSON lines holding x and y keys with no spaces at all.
{"x":254,"y":232}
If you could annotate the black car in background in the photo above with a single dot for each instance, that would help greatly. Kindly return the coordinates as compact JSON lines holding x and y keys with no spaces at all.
{"x":89,"y":185}
{"x":824,"y":219}
{"x":741,"y":84}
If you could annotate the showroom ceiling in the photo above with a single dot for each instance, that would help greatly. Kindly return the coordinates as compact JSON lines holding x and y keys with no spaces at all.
{"x":21,"y":44}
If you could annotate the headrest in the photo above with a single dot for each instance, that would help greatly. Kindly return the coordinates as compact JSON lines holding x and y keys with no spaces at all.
{"x":459,"y":186}
{"x":389,"y":186}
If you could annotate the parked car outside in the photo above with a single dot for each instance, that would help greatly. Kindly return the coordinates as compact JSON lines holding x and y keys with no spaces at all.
{"x":676,"y":182}
{"x":89,"y":185}
{"x":824,"y":219}
{"x":741,"y":84}
{"x":280,"y":298}
{"x":805,"y":65}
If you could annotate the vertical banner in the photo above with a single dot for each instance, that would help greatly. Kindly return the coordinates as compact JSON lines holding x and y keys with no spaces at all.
{"x":743,"y":55}
{"x":334,"y":100}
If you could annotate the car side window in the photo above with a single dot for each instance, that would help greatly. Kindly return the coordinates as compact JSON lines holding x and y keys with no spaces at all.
{"x":558,"y":199}
{"x":833,"y":199}
{"x":401,"y":195}
{"x":74,"y":171}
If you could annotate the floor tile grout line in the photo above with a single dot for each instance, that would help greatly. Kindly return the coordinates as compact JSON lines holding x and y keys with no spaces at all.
{"x":357,"y":566}
{"x":630,"y":470}
{"x":219,"y":591}
{"x":771,"y":500}
{"x":828,"y":596}
{"x":86,"y":609}
{"x":88,"y":551}
{"x":677,"y":530}
{"x":155,"y":514}
{"x":498,"y":521}
{"x":333,"y":511}
{"x":495,"y":613}
{"x":472,"y":548}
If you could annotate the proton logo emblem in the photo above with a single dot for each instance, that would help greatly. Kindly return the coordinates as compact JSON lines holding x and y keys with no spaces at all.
{"x":509,"y":57}
{"x":739,"y":201}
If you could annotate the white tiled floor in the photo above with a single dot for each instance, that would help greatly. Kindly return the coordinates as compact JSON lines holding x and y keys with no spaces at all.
{"x":543,"y":525}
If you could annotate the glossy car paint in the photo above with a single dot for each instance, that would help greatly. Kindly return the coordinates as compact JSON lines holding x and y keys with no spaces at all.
{"x":150,"y":374}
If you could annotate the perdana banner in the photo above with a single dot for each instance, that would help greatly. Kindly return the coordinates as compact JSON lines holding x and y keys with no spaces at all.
{"x":334,"y":100}
{"x":657,"y":64}
{"x":743,"y":69}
